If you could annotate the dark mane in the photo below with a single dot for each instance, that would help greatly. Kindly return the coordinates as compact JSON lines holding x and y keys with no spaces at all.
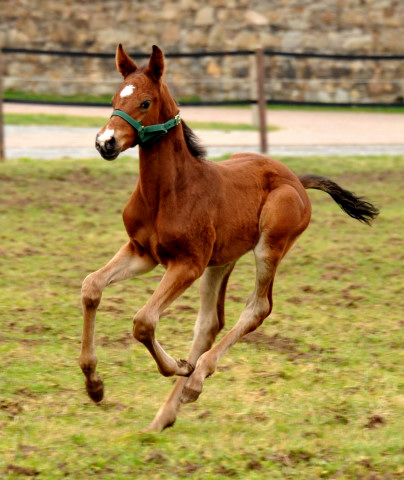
{"x":193,"y":142}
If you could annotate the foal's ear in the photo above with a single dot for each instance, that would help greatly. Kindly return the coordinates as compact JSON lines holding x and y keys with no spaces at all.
{"x":124,"y":63}
{"x":155,"y":68}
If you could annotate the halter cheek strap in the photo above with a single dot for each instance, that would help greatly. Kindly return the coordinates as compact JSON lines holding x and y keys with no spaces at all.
{"x":152,"y":133}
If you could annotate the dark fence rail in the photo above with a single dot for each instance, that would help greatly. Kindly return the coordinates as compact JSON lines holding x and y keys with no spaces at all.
{"x":267,"y":52}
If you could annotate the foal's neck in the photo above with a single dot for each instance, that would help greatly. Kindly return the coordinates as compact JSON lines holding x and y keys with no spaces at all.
{"x":165,"y":167}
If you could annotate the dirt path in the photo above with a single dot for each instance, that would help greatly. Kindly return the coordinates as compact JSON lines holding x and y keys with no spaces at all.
{"x":298,"y":131}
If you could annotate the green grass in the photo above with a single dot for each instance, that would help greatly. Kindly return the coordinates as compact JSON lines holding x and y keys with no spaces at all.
{"x":318,"y":394}
{"x":106,"y":99}
{"x":43,"y":97}
{"x":52,"y":119}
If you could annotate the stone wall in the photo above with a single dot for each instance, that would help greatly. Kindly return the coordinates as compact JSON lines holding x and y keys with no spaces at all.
{"x":326,"y":26}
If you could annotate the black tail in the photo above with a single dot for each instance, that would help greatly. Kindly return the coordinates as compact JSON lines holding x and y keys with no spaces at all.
{"x":355,"y":207}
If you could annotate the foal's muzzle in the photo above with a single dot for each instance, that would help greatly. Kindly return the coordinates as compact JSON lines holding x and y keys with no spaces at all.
{"x":107,"y":147}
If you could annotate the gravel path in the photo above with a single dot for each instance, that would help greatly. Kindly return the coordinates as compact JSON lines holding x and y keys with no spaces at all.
{"x":299,"y":132}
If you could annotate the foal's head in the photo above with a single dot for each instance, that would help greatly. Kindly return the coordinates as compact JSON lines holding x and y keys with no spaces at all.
{"x":143,"y":96}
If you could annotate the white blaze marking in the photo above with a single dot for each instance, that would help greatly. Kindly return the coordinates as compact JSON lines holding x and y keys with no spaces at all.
{"x":106,"y":135}
{"x":128,"y":90}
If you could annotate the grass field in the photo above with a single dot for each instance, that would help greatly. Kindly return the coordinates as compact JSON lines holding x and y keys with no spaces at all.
{"x":81,"y":121}
{"x":317,"y":392}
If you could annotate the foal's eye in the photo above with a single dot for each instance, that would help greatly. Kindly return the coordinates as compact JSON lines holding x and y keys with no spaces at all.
{"x":145,"y":105}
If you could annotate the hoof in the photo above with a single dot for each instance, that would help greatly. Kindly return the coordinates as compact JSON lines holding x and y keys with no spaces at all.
{"x":185,"y":368}
{"x":158,"y":427}
{"x":190,"y":394}
{"x":95,"y":390}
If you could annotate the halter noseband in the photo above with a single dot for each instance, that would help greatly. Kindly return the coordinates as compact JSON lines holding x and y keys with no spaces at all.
{"x":152,"y":133}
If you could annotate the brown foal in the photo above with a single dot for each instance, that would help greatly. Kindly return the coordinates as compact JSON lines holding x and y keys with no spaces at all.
{"x":196,"y":218}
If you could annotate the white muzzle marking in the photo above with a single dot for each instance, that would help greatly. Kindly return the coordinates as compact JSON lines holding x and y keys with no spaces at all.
{"x":107,"y":135}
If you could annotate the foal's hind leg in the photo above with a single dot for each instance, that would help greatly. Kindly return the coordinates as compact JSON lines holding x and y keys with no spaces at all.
{"x":125,"y":264}
{"x":209,"y":322}
{"x":283,"y":219}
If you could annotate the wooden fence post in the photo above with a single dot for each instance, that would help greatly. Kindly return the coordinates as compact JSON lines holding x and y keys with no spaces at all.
{"x":253,"y":91}
{"x":2,"y":149}
{"x":262,"y":108}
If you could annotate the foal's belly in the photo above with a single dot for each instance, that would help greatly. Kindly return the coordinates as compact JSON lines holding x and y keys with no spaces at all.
{"x":230,"y":246}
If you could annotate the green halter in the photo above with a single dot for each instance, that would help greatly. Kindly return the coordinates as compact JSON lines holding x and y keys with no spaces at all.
{"x":152,"y":133}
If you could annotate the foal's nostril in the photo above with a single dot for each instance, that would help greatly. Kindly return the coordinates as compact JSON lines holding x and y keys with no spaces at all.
{"x":107,"y":145}
{"x":110,"y":144}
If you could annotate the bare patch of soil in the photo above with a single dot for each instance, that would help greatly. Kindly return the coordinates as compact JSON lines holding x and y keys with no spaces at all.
{"x":12,"y":409}
{"x":228,"y":472}
{"x":275,"y":342}
{"x":123,"y":341}
{"x":17,"y":470}
{"x":285,"y":345}
{"x":375,"y":421}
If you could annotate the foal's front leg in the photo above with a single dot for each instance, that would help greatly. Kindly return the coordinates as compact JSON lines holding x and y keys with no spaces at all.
{"x":178,"y":277}
{"x":125,"y":264}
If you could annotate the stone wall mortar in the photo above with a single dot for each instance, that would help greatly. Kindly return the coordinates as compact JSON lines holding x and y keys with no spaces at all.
{"x":326,"y":26}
